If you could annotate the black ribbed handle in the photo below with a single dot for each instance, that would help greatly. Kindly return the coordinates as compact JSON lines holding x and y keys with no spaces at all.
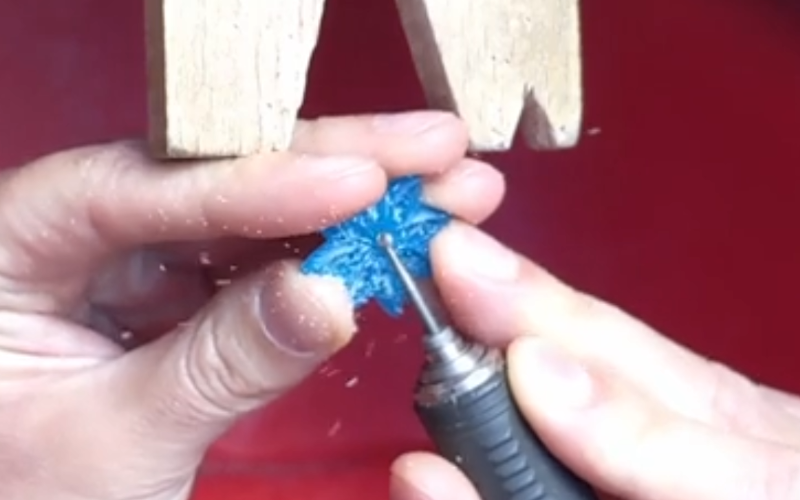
{"x":485,"y":435}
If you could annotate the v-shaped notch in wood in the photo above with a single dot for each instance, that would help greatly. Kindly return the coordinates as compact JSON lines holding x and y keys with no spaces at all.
{"x":501,"y":65}
{"x":227,"y":77}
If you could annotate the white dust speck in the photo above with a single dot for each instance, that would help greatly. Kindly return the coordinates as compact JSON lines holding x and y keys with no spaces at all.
{"x":291,"y":247}
{"x":204,"y":258}
{"x":328,"y":371}
{"x":233,"y":267}
{"x":126,"y":336}
{"x":370,"y":349}
{"x":352,"y":382}
{"x":162,"y":267}
{"x":593,"y":131}
{"x":307,"y":322}
{"x":222,"y":282}
{"x":279,"y":220}
{"x":335,"y":428}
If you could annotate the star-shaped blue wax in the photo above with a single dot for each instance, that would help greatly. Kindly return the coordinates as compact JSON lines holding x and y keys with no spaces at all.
{"x":351,"y":251}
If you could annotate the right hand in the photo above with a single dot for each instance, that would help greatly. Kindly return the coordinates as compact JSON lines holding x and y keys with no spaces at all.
{"x":627,"y":409}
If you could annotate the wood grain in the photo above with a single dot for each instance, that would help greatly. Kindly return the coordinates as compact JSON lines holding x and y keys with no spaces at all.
{"x":490,"y":60}
{"x":227,"y":77}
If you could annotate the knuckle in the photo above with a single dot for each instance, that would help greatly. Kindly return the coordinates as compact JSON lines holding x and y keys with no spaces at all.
{"x":585,"y":305}
{"x":101,"y":163}
{"x":635,"y":436}
{"x":219,"y":374}
{"x":732,"y":399}
{"x":307,"y":133}
{"x":103,"y":169}
{"x":588,"y":313}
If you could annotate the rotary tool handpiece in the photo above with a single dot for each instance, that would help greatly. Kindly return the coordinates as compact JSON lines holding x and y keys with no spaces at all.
{"x":483,"y":433}
{"x":464,"y":403}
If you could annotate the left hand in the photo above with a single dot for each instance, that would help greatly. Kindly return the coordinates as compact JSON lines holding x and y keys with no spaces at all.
{"x":121,"y":357}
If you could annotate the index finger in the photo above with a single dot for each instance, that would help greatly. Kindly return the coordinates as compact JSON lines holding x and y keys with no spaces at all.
{"x":496,"y":295}
{"x":96,"y":199}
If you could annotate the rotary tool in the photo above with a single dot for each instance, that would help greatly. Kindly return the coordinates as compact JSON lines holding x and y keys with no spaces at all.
{"x":463,"y":400}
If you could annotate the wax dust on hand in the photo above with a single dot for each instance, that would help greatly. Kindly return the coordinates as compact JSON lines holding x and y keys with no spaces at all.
{"x":352,"y":253}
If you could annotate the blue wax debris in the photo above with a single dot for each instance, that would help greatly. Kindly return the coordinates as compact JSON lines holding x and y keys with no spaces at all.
{"x":351,"y":251}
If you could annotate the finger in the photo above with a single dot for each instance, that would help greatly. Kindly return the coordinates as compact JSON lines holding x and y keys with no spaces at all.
{"x":789,"y":402}
{"x":404,"y":143}
{"x":43,"y":344}
{"x":165,"y":277}
{"x":422,"y":476}
{"x":111,"y":197}
{"x":472,"y":190}
{"x":258,"y":338}
{"x":632,"y":446}
{"x":114,"y":196}
{"x":496,"y":295}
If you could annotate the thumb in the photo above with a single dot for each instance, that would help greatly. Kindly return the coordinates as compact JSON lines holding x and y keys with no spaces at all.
{"x":257,"y":339}
{"x":630,"y":445}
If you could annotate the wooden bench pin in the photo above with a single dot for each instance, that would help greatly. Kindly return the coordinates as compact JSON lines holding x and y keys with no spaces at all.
{"x":227,"y":77}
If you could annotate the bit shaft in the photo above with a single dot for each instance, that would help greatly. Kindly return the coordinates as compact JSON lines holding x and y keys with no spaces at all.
{"x":425,"y":305}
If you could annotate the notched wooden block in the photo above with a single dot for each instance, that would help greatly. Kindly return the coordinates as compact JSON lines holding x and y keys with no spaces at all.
{"x":227,"y":77}
{"x":490,"y":60}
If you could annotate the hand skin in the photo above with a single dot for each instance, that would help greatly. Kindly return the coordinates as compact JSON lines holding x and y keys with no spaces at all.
{"x":632,"y":412}
{"x":121,"y":361}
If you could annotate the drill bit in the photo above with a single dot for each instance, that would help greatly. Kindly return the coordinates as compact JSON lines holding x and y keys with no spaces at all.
{"x":426,"y":305}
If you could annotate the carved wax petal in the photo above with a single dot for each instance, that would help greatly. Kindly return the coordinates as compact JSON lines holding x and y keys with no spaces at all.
{"x":351,"y":251}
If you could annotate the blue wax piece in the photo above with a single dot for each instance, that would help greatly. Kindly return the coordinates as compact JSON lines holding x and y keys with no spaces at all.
{"x":351,"y":251}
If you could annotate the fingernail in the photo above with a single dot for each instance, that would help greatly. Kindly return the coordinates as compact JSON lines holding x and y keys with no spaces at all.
{"x":473,"y":253}
{"x":414,"y":123}
{"x":305,"y":315}
{"x":550,"y":376}
{"x":337,"y":167}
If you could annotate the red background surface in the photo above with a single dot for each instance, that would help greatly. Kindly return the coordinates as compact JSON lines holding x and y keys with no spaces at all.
{"x":680,"y":208}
